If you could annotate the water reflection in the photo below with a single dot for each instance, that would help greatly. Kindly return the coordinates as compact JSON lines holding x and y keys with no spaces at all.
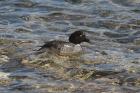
{"x":110,"y":63}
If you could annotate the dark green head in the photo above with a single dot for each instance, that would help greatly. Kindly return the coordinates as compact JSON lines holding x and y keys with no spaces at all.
{"x":78,"y":37}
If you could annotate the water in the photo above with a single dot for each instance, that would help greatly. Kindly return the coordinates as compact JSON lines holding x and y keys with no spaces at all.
{"x":111,"y":63}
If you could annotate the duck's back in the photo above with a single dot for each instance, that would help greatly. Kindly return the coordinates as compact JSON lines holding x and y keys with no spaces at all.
{"x":56,"y":44}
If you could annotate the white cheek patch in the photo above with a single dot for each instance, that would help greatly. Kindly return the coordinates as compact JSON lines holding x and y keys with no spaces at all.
{"x":81,"y":35}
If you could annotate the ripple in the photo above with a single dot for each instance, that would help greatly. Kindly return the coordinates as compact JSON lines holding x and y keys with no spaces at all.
{"x":128,"y":2}
{"x":27,"y":4}
{"x":114,"y":35}
{"x":74,"y":1}
{"x":109,"y":63}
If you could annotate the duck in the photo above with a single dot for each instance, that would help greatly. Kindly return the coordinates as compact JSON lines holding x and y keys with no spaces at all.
{"x":71,"y":46}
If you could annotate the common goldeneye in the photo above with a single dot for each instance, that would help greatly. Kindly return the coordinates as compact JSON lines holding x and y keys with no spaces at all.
{"x":63,"y":47}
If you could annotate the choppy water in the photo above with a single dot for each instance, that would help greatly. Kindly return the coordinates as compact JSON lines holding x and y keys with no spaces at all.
{"x":111,"y":64}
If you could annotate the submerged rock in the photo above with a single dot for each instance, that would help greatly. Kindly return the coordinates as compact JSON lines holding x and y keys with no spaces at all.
{"x":137,"y":41}
{"x":72,"y":66}
{"x":4,"y":79}
{"x":4,"y":59}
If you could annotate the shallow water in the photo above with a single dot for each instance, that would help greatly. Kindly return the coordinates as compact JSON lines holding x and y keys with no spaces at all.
{"x":110,"y":64}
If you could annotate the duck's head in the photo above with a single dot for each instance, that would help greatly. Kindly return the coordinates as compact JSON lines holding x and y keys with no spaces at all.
{"x":78,"y":37}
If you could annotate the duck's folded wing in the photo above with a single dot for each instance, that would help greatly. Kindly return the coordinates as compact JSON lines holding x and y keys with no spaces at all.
{"x":52,"y":44}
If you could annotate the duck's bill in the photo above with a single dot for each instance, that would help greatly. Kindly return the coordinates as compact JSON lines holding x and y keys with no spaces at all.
{"x":87,"y":40}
